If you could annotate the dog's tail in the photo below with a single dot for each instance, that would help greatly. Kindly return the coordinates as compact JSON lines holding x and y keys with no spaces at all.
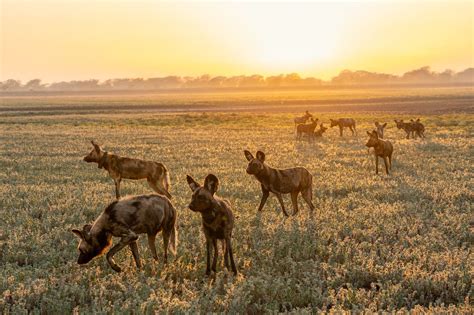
{"x":173,"y":241}
{"x":167,"y":182}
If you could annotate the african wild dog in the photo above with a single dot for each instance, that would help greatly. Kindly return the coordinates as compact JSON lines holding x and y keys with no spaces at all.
{"x":320,"y":131}
{"x":418,"y":128}
{"x":217,"y":219}
{"x":126,"y":219}
{"x":292,"y":180}
{"x":380,"y":129}
{"x":409,"y":128}
{"x":344,"y":123}
{"x":383,"y":149}
{"x":306,"y":129}
{"x":122,"y":167}
{"x":302,"y":119}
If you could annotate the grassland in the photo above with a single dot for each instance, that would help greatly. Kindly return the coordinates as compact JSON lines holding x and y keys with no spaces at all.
{"x":375,"y":242}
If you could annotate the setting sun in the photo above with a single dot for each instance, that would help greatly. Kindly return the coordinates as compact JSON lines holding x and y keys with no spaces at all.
{"x":58,"y":40}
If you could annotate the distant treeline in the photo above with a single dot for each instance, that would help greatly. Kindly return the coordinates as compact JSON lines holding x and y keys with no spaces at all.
{"x":423,"y":75}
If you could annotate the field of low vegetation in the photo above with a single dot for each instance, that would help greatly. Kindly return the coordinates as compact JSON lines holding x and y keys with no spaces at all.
{"x":374,"y":242}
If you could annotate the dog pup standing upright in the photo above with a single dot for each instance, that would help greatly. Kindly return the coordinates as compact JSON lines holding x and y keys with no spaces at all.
{"x":122,"y":167}
{"x":289,"y":181}
{"x":383,"y":149}
{"x":217,"y":219}
{"x":126,"y":219}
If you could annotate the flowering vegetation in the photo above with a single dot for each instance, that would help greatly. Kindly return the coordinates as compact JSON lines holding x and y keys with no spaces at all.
{"x":374,"y":242}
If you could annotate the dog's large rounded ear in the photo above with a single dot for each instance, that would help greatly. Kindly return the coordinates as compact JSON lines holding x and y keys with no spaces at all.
{"x":96,"y":146}
{"x":87,"y":228}
{"x":384,"y":125}
{"x":260,"y":156}
{"x":78,"y":233}
{"x":192,"y":183}
{"x":369,"y":133}
{"x":211,"y":183}
{"x":248,"y":155}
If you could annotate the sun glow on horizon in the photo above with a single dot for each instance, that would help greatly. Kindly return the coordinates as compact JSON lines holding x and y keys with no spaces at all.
{"x":58,"y":40}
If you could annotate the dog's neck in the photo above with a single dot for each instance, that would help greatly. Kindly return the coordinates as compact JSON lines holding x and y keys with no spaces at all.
{"x":210,"y":214}
{"x":103,"y":161}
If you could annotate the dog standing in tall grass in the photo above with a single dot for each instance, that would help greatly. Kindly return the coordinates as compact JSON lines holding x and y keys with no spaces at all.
{"x":217,"y":220}
{"x":302,"y":119}
{"x":122,"y":167}
{"x":409,"y":128}
{"x":306,"y":129}
{"x":293,"y":181}
{"x":126,"y":219}
{"x":418,"y":128}
{"x":382,"y":148}
{"x":344,"y":123}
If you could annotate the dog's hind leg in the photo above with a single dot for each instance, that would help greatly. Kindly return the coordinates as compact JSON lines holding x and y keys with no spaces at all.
{"x":156,"y":185}
{"x":294,"y":201}
{"x":308,"y":197}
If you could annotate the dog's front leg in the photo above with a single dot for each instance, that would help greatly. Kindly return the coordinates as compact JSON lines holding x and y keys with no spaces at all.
{"x":128,"y":237}
{"x":265,"y":193}
{"x":117,"y":187}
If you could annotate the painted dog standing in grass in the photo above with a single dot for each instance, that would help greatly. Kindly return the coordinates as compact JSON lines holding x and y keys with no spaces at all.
{"x":122,"y":167}
{"x":126,"y":219}
{"x":418,"y":127}
{"x":344,"y":123}
{"x":409,"y":127}
{"x":306,"y":129}
{"x":383,"y":149}
{"x":292,"y":181}
{"x":217,"y":219}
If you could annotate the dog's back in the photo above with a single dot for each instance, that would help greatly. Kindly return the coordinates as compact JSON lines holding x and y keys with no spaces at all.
{"x":142,"y":214}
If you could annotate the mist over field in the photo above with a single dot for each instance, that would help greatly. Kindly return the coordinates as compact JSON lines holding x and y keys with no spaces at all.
{"x":421,"y":76}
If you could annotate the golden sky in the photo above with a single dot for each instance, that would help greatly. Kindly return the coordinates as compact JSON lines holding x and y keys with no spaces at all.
{"x":83,"y":39}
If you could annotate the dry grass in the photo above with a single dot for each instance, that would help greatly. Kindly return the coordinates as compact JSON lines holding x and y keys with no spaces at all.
{"x":394,"y":242}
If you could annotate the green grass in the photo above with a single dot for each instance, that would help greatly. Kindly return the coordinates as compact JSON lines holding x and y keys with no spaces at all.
{"x":398,"y":242}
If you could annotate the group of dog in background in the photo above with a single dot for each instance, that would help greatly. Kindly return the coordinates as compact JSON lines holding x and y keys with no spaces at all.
{"x":151,"y":213}
{"x":382,"y":148}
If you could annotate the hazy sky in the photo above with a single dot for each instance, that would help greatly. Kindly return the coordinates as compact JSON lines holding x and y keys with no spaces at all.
{"x":83,"y":39}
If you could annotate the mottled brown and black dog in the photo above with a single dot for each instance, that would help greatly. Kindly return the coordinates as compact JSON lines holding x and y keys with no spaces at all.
{"x":418,"y":127}
{"x":306,"y":129}
{"x":344,"y":123}
{"x":217,"y":220}
{"x":122,"y":167}
{"x":409,"y":127}
{"x":382,"y":148}
{"x":126,"y":219}
{"x":288,"y":181}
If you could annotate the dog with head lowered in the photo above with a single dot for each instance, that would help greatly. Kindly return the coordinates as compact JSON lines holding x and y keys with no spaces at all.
{"x":126,"y":168}
{"x":288,"y":181}
{"x":126,"y":219}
